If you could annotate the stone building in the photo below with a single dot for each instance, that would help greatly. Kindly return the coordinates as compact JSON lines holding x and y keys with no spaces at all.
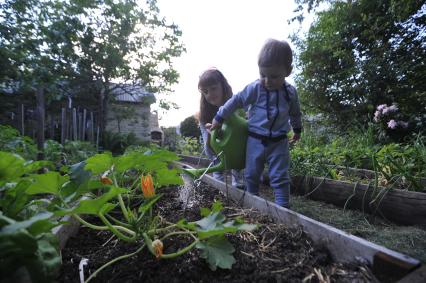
{"x":130,"y":112}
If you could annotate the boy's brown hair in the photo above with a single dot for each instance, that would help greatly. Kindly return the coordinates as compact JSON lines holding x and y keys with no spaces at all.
{"x":208,"y":78}
{"x":275,"y":53}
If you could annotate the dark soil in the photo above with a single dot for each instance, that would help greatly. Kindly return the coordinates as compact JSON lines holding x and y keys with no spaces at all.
{"x":272,"y":253}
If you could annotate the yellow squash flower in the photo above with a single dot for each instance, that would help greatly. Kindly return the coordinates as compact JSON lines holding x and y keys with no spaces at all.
{"x":157,"y":246}
{"x":147,"y":186}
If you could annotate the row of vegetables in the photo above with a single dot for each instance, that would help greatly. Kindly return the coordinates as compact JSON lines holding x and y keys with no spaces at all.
{"x":121,"y":192}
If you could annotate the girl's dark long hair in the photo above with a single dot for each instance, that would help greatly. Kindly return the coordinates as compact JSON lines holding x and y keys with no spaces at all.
{"x":208,"y":78}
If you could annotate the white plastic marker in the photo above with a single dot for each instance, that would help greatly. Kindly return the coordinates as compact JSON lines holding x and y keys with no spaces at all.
{"x":81,"y":265}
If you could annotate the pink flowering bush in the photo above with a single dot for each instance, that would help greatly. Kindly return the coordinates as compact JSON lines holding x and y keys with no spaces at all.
{"x":390,"y":121}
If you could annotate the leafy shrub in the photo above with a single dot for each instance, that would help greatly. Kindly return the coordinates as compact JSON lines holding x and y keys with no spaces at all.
{"x":12,"y":141}
{"x":403,"y":165}
{"x":189,"y":146}
{"x":76,"y":151}
{"x":25,"y":222}
{"x":171,"y":138}
{"x":117,"y":142}
{"x":189,"y":127}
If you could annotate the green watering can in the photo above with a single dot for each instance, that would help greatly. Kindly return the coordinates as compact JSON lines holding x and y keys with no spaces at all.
{"x":229,"y":143}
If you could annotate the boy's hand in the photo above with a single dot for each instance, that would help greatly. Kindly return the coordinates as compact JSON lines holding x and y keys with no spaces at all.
{"x":214,"y":125}
{"x":295,"y":138}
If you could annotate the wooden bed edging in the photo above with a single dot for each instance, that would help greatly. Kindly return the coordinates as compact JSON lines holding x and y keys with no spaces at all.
{"x":402,"y":207}
{"x":65,"y":231}
{"x":343,"y":246}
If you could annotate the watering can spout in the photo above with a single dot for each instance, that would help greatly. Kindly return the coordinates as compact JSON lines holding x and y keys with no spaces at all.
{"x":196,"y":173}
{"x":229,"y":144}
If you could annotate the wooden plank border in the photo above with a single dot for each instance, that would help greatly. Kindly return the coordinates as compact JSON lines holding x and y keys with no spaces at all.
{"x":402,"y":207}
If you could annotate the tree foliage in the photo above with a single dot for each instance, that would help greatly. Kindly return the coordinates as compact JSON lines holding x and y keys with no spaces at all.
{"x":360,"y":54}
{"x":189,"y":127}
{"x":87,"y":44}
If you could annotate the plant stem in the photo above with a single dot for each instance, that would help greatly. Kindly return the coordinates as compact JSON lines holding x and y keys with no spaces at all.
{"x":180,"y":252}
{"x":179,"y":233}
{"x":123,"y":207}
{"x":148,"y":242}
{"x":153,"y":231}
{"x":115,"y":231}
{"x":113,"y":261}
{"x":118,"y":221}
{"x":97,"y":227}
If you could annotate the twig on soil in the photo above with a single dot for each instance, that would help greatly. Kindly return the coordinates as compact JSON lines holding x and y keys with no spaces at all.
{"x":112,"y":237}
{"x":281,"y":270}
{"x":265,"y":247}
{"x":271,"y":259}
{"x":247,"y":254}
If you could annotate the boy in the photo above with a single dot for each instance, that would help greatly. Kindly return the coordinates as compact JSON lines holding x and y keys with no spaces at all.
{"x":273,"y":107}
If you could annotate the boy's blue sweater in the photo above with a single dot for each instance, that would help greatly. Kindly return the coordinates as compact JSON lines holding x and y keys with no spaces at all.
{"x":270,"y":113}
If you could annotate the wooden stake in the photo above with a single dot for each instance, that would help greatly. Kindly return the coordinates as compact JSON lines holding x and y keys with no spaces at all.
{"x":40,"y":122}
{"x":63,"y":125}
{"x":92,"y":127}
{"x":83,"y":135}
{"x":22,"y":119}
{"x":74,"y":123}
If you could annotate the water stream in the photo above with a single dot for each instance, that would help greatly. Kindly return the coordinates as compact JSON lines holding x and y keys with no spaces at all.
{"x":187,"y":191}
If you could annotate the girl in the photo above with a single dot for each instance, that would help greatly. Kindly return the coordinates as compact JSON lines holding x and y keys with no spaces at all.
{"x":215,"y":91}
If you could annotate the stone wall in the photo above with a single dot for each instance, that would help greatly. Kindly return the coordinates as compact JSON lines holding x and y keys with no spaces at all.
{"x":126,"y":117}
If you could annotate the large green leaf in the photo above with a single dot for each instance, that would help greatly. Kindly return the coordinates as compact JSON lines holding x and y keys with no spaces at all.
{"x":130,"y":160}
{"x":168,"y":177}
{"x":218,"y":252}
{"x":36,"y":225}
{"x":50,"y":183}
{"x":33,"y":166}
{"x":214,"y":224}
{"x":48,"y":262}
{"x":15,"y":198}
{"x":78,"y":174}
{"x":212,"y":221}
{"x":39,"y":255}
{"x":15,"y":248}
{"x":216,"y":207}
{"x":11,"y":167}
{"x":99,"y":163}
{"x":94,"y":206}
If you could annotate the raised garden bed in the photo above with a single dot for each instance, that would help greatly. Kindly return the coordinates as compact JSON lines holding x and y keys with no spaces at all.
{"x":371,"y":255}
{"x":398,"y":206}
{"x":272,"y":253}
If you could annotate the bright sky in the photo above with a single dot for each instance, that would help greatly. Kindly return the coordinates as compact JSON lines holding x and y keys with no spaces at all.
{"x":226,"y":34}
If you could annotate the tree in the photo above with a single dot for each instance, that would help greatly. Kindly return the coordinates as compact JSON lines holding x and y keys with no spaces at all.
{"x":171,"y":138}
{"x":128,"y":43}
{"x":36,"y":39}
{"x":360,"y":54}
{"x":189,"y":127}
{"x":88,"y":44}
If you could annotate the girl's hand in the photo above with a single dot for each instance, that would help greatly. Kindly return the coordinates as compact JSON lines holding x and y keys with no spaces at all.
{"x":208,"y":127}
{"x":214,"y":125}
